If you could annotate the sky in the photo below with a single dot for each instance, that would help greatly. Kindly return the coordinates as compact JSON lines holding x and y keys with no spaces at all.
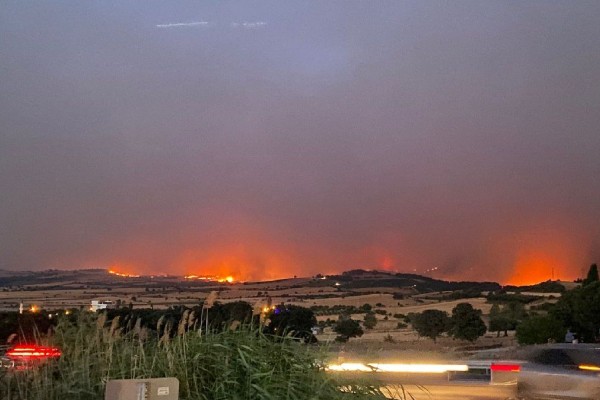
{"x":264,"y":139}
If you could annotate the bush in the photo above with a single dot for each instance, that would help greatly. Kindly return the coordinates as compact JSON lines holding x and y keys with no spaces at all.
{"x":370,"y":321}
{"x":389,"y":339}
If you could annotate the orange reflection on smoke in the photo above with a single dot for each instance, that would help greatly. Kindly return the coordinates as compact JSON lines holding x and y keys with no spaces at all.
{"x":114,"y":271}
{"x":553,"y":250}
{"x":226,"y":279}
{"x":239,"y":263}
{"x":532,"y":269}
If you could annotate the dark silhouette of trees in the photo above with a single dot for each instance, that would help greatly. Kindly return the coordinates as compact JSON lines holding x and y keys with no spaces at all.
{"x":540,"y":329}
{"x":501,"y":323}
{"x":430,"y":323}
{"x":221,"y":315}
{"x":347,"y":328}
{"x":592,"y":275}
{"x":27,"y":326}
{"x":579,"y":310}
{"x":289,"y":319}
{"x":506,"y":318}
{"x":466,"y":322}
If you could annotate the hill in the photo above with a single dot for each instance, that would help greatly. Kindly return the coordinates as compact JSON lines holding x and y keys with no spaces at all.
{"x":360,"y":278}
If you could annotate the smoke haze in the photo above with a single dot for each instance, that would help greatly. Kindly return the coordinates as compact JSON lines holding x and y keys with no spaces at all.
{"x":279,"y":138}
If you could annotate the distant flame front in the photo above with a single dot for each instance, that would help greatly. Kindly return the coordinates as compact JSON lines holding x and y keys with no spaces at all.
{"x":122,"y":274}
{"x":228,"y":279}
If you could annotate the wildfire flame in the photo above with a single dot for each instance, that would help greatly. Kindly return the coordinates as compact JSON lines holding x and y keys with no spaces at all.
{"x":121,"y":274}
{"x":226,"y":279}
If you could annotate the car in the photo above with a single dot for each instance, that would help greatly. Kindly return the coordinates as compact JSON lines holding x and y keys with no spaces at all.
{"x":22,"y":357}
{"x":560,"y":371}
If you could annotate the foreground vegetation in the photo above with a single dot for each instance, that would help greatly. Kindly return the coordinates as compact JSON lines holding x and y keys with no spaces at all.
{"x":240,"y":363}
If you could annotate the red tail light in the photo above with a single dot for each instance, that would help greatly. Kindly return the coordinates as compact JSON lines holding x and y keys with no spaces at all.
{"x":33,"y":352}
{"x":505,"y":367}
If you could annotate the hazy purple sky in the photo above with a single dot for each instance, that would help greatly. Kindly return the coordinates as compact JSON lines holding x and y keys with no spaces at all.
{"x":272,"y":138}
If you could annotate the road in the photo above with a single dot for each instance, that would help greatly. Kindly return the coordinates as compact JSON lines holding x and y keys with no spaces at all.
{"x":469,"y":391}
{"x":434,"y":386}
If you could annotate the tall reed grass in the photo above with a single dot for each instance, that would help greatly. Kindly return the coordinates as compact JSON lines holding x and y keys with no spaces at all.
{"x":239,"y":363}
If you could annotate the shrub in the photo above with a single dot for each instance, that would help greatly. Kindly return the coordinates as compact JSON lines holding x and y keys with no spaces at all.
{"x":370,"y":321}
{"x":389,"y":339}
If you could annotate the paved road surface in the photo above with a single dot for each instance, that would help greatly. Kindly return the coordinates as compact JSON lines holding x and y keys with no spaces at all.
{"x":452,"y":392}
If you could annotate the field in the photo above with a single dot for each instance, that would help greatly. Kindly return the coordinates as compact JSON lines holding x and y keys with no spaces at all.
{"x":67,"y":290}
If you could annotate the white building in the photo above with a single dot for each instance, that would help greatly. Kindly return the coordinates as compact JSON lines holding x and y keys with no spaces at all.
{"x":101,"y":305}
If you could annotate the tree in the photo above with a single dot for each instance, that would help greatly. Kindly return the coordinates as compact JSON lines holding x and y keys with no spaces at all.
{"x":430,"y":323}
{"x":347,"y":328}
{"x":504,"y":319}
{"x":370,"y":320}
{"x":289,"y":318}
{"x":500,"y":323}
{"x":515,"y":311}
{"x":592,"y":275}
{"x":28,"y":327}
{"x":495,"y":311}
{"x":539,"y":329}
{"x":466,"y":322}
{"x":579,"y":309}
{"x":221,"y":315}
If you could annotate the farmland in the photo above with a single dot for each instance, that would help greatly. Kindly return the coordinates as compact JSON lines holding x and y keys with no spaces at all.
{"x":390,"y":296}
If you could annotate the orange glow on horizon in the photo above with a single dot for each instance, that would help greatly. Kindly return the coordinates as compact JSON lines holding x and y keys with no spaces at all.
{"x":122,"y":274}
{"x":226,"y":279}
{"x":239,"y":263}
{"x":551,"y":249}
{"x":531,"y":270}
{"x":244,"y":252}
{"x":533,"y":266}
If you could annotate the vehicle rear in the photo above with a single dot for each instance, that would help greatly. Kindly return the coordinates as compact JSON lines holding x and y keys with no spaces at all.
{"x":561,"y":372}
